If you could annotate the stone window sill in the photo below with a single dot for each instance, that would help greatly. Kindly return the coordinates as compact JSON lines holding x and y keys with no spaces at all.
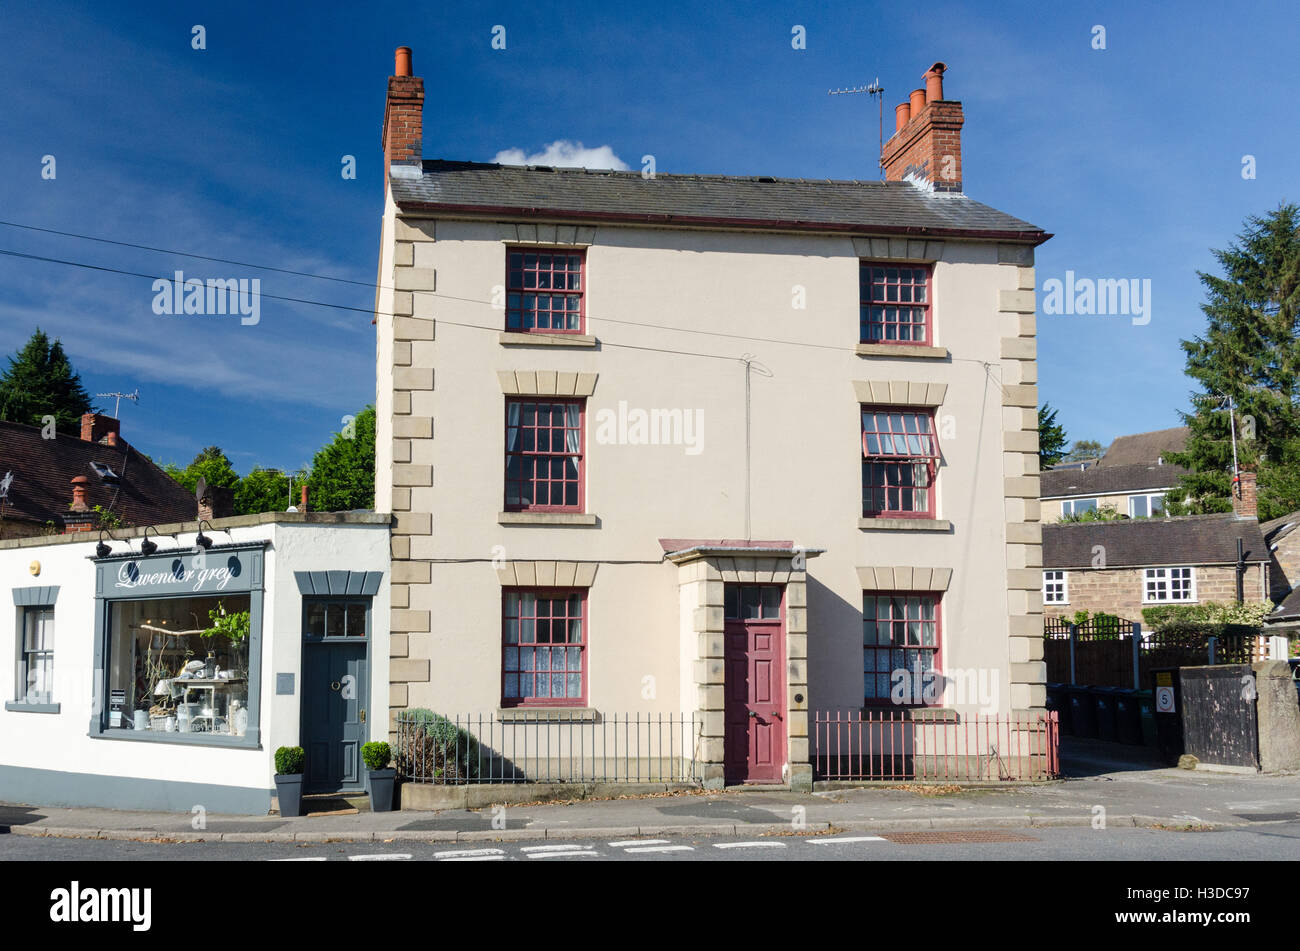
{"x":548,"y":714}
{"x":905,"y":524}
{"x":19,"y":706}
{"x":510,"y":339}
{"x":546,"y":518}
{"x":899,"y":350}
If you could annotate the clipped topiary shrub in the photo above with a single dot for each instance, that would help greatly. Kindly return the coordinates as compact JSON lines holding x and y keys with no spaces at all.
{"x":377,"y":755}
{"x":289,"y":760}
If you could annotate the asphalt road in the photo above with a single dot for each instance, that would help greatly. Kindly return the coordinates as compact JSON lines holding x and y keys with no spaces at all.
{"x":1267,"y":841}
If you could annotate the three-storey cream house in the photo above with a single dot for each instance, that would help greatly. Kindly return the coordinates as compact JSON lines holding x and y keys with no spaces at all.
{"x":736,"y":450}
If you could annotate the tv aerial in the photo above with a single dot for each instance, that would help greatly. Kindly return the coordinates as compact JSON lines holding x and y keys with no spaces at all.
{"x":878,"y":91}
{"x":133,"y":397}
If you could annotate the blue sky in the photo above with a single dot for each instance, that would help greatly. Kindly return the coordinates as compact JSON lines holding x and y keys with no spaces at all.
{"x":1132,"y":156}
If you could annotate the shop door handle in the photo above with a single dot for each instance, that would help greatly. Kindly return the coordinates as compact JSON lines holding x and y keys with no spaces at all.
{"x":363,"y":716}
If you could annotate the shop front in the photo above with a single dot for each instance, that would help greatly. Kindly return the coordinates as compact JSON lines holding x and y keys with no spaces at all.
{"x":164,"y":675}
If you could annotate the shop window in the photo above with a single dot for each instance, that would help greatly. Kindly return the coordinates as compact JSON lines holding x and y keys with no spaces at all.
{"x":545,"y":647}
{"x":179,"y":665}
{"x":36,"y":656}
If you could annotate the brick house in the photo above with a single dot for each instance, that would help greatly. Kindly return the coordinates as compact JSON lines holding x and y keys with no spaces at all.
{"x":55,"y":484}
{"x":604,"y":503}
{"x":1124,"y":565}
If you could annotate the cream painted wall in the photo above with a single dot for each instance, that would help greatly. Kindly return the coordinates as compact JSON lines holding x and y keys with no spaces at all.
{"x":806,"y":456}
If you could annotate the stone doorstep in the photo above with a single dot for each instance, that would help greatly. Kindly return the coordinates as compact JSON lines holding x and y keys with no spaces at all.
{"x":721,"y":828}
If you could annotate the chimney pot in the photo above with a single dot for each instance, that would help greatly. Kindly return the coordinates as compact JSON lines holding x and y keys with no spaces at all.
{"x":934,"y":82}
{"x":917,"y":101}
{"x":403,"y":115}
{"x":303,"y":507}
{"x":79,"y":484}
{"x":902,"y":115}
{"x":402,"y":61}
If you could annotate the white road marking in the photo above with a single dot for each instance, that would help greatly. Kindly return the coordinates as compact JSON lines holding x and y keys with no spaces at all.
{"x":468,"y":853}
{"x":662,"y":848}
{"x":477,"y":858}
{"x":314,"y":858}
{"x":563,"y":855}
{"x":572,"y":847}
{"x":623,"y":844}
{"x":381,"y":857}
{"x":854,"y":838}
{"x":749,"y":845}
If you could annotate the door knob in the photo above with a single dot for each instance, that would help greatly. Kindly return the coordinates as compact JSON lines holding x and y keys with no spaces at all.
{"x":753,"y":714}
{"x":335,"y":686}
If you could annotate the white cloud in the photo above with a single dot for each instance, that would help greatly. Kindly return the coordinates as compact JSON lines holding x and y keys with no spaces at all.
{"x":564,"y":154}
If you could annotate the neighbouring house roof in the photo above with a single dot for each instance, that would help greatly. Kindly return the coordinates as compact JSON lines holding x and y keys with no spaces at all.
{"x":43,"y":469}
{"x":1106,"y":480}
{"x":1144,"y":448}
{"x":1288,"y":610}
{"x":1154,"y":542}
{"x":1279,"y":528}
{"x":739,"y":201}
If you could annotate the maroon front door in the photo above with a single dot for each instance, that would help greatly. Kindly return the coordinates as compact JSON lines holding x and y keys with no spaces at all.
{"x":754,"y":713}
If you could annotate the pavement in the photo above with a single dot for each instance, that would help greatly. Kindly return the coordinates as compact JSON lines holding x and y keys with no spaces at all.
{"x":1104,"y":783}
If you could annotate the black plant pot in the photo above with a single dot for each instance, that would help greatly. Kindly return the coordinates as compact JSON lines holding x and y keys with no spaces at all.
{"x":381,"y":783}
{"x":288,"y":789}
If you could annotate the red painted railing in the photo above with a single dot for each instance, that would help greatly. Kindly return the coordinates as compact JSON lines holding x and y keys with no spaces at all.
{"x":901,"y":745}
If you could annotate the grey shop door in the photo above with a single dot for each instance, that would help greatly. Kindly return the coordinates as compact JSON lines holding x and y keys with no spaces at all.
{"x":334,"y":703}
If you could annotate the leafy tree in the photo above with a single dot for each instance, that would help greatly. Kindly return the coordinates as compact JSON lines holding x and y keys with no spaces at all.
{"x":211,"y":464}
{"x":343,"y":471}
{"x":1084,"y":449}
{"x":1249,"y":353}
{"x":40,"y":382}
{"x":1051,"y":437}
{"x":263,"y":490}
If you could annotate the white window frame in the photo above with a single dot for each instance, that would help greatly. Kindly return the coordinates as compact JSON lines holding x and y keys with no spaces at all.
{"x":1162,"y":579}
{"x":1067,"y":506}
{"x":1149,"y":496}
{"x":1063,"y":583}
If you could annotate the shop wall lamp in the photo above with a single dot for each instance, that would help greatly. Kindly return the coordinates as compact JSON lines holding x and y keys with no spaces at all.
{"x":102,"y":550}
{"x":201,"y":540}
{"x":147,"y":547}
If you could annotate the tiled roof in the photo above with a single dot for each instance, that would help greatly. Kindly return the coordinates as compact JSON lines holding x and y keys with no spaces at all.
{"x":1154,"y":542}
{"x":43,"y":469}
{"x":1145,"y":448}
{"x":1104,"y":480}
{"x":585,"y":194}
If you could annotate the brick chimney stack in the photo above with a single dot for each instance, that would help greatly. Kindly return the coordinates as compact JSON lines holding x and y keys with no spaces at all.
{"x":80,"y":518}
{"x":97,"y":428}
{"x":403,"y":115}
{"x":925,"y":148}
{"x":1245,"y":494}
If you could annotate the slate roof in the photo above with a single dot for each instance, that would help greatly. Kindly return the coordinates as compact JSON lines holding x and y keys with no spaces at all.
{"x":1154,"y":542}
{"x":43,"y":469}
{"x":1145,"y":448}
{"x":1279,"y":528}
{"x":1288,"y":610}
{"x":596,"y":194}
{"x":1104,"y":480}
